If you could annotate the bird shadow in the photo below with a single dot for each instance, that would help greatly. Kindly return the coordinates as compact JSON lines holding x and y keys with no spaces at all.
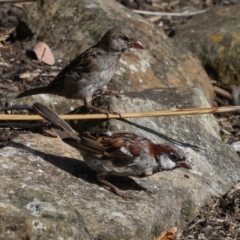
{"x":194,"y":147}
{"x":76,"y":168}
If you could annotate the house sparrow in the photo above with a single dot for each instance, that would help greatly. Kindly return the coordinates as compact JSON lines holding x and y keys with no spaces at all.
{"x":89,"y":72}
{"x":122,"y":154}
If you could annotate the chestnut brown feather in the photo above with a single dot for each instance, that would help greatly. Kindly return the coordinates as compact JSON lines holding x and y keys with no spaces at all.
{"x":122,"y":154}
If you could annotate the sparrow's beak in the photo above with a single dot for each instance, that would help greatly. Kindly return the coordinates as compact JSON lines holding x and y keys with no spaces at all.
{"x":136,"y":44}
{"x":184,"y":164}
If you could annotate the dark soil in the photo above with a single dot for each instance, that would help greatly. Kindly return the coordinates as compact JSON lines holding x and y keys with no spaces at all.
{"x":15,"y":61}
{"x":219,"y":219}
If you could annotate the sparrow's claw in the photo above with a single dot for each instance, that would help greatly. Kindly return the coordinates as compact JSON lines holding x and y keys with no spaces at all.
{"x":117,"y":94}
{"x":105,"y":91}
{"x":98,"y":110}
{"x":122,"y":194}
{"x":137,"y":186}
{"x":116,"y":113}
{"x":89,"y":106}
{"x":125,"y":195}
{"x":114,"y":189}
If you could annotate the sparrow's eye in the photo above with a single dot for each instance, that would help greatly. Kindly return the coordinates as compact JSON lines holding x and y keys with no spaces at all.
{"x":125,"y":39}
{"x":174,"y":157}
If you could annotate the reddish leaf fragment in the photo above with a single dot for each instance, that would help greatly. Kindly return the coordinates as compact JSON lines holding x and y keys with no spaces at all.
{"x":44,"y":53}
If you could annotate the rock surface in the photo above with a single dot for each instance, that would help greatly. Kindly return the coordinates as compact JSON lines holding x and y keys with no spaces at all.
{"x":70,"y":27}
{"x":59,"y":104}
{"x":214,"y":38}
{"x":49,"y":174}
{"x":34,"y":211}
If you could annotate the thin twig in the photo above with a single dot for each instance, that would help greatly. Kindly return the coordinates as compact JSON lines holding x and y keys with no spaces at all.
{"x":7,"y":33}
{"x":222,"y":92}
{"x":220,"y":101}
{"x":183,"y":14}
{"x":196,"y":223}
{"x":172,"y":112}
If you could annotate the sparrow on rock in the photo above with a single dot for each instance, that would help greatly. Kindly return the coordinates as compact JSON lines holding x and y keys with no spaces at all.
{"x":122,"y":154}
{"x":92,"y":70}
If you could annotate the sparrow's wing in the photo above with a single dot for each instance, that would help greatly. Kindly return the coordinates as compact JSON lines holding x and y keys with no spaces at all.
{"x":84,"y":63}
{"x":121,"y":148}
{"x":53,"y":117}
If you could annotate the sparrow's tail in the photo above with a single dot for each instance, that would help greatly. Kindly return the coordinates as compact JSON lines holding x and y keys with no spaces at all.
{"x":33,"y":91}
{"x":53,"y":117}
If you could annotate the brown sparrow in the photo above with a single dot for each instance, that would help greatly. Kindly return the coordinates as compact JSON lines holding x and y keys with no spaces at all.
{"x":122,"y":154}
{"x":89,"y":72}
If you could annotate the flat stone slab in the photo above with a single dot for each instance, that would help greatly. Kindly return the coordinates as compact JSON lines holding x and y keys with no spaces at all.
{"x":48,"y":188}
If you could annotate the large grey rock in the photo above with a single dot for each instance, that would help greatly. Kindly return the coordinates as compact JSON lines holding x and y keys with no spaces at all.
{"x":34,"y":211}
{"x":214,"y":38}
{"x":59,"y":104}
{"x":70,"y":27}
{"x":52,"y":173}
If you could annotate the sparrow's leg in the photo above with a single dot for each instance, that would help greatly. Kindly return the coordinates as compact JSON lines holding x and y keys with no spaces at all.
{"x":88,"y":105}
{"x":113,"y":188}
{"x":106,"y":91}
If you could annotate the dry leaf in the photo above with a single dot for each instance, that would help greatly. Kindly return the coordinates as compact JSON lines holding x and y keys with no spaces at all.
{"x":2,"y":62}
{"x":30,"y":76}
{"x":44,"y":53}
{"x":50,"y":133}
{"x":170,"y":234}
{"x":5,"y":35}
{"x":237,"y":186}
{"x":10,"y":87}
{"x":51,"y":74}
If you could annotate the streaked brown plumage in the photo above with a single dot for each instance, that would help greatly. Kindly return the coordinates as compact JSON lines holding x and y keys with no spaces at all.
{"x":122,"y":154}
{"x":92,"y":70}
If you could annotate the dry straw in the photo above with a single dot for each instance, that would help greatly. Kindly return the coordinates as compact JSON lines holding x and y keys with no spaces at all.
{"x":172,"y":112}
